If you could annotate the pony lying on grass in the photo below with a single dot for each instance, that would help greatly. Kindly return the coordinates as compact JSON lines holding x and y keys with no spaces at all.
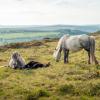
{"x":17,"y":61}
{"x":75,"y":43}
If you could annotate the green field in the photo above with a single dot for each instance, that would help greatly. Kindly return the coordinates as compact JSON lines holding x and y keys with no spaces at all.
{"x":6,"y":38}
{"x":24,"y":35}
{"x":74,"y":81}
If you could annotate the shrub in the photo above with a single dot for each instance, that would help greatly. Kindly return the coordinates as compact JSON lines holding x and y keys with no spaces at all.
{"x":36,"y":94}
{"x":66,"y":89}
{"x":95,"y":90}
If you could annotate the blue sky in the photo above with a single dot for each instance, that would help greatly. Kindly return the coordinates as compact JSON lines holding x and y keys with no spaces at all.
{"x":48,"y":12}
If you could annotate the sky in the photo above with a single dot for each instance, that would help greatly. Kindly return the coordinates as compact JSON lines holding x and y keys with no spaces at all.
{"x":49,"y":12}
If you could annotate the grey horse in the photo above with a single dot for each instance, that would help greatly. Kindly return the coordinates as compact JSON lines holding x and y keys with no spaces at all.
{"x":75,"y":43}
{"x":18,"y":62}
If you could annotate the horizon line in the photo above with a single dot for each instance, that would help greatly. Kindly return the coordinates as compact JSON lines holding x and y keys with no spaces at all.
{"x":50,"y":24}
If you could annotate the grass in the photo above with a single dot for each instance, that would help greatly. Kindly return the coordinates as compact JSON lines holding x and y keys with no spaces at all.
{"x":6,"y":38}
{"x":74,"y":81}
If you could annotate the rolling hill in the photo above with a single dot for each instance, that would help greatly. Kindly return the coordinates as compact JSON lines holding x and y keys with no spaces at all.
{"x":12,"y":34}
{"x":48,"y":28}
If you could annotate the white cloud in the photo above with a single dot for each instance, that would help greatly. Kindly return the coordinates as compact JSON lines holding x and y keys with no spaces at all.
{"x":49,"y":12}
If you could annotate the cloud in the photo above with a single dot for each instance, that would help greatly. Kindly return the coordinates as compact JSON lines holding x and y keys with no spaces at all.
{"x":76,"y":3}
{"x":19,"y":0}
{"x":49,"y":11}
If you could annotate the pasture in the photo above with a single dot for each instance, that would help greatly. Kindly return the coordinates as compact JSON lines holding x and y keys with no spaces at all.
{"x":6,"y":38}
{"x":74,"y":81}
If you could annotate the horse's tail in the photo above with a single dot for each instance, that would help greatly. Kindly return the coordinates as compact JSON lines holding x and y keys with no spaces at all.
{"x":92,"y":44}
{"x":92,"y":49}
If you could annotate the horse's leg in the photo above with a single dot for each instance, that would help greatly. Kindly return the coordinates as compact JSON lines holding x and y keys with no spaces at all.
{"x":88,"y":57}
{"x":86,"y":47}
{"x":89,"y":54}
{"x":90,"y":48}
{"x":66,"y":53}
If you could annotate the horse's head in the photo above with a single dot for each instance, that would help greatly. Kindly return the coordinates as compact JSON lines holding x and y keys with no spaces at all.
{"x":15,"y":55}
{"x":57,"y":54}
{"x":17,"y":58}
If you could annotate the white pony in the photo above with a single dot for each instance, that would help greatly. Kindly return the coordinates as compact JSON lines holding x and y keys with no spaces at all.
{"x":16,"y":61}
{"x":75,"y":43}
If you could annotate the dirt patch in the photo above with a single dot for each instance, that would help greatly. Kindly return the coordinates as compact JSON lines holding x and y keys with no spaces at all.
{"x":21,"y":45}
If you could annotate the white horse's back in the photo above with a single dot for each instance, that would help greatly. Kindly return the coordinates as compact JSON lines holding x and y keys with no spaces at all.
{"x":73,"y":43}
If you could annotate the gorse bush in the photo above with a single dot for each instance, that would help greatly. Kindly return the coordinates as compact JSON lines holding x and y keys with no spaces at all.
{"x":95,"y":90}
{"x":66,"y":89}
{"x":37,"y":93}
{"x":79,"y":89}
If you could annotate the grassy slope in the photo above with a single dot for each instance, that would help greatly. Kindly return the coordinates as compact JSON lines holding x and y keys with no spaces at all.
{"x":74,"y":81}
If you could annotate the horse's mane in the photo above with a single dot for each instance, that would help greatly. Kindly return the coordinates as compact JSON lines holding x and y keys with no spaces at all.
{"x":61,"y":41}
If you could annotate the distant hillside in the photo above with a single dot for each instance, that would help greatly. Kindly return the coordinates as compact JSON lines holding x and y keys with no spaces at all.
{"x":51,"y":28}
{"x":96,"y":33}
{"x":25,"y":33}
